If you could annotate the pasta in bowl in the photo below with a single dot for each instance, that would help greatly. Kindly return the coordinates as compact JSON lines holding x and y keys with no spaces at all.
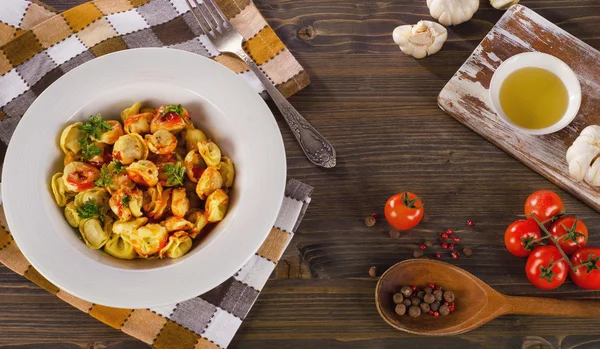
{"x":125,"y":189}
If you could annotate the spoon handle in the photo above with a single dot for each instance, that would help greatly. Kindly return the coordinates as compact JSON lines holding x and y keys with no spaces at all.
{"x":554,"y":307}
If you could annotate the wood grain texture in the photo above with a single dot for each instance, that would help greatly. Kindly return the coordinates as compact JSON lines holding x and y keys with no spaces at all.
{"x":378,"y":108}
{"x":466,"y":96}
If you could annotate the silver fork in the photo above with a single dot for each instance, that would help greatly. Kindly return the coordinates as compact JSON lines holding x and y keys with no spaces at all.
{"x":227,"y":39}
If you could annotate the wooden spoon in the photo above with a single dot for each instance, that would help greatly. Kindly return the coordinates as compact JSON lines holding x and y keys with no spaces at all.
{"x":476,"y":302}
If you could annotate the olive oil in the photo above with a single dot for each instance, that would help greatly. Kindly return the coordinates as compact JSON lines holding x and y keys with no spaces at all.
{"x":534,"y":98}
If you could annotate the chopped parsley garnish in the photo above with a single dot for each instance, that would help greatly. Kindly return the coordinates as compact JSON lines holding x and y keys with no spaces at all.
{"x":175,"y":173}
{"x":89,"y":209}
{"x":125,"y":200}
{"x":93,"y":129}
{"x":177,"y":109}
{"x":108,"y":173}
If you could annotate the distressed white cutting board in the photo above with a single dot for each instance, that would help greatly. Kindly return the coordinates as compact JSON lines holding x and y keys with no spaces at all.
{"x":466,"y":98}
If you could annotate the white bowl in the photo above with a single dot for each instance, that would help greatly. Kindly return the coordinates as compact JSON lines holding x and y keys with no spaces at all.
{"x":220,"y":103}
{"x":543,"y":61}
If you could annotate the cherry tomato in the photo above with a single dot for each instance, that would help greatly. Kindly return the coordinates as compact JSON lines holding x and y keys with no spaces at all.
{"x":520,"y":235}
{"x":587,"y":268}
{"x":404,"y":211}
{"x":545,"y":267}
{"x":544,"y":204}
{"x":570,"y":233}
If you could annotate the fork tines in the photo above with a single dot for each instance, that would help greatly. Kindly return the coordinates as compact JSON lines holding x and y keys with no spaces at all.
{"x":208,"y":15}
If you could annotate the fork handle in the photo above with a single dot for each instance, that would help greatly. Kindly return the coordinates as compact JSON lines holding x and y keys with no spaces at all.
{"x":316,"y":148}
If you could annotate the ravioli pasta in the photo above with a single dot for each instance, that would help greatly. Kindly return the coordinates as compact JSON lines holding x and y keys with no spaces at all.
{"x":143,"y":187}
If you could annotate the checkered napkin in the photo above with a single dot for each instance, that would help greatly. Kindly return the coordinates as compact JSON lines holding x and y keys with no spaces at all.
{"x":37,"y":46}
{"x":44,"y":46}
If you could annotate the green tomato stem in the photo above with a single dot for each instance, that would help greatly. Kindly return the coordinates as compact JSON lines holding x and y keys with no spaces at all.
{"x":565,"y":257}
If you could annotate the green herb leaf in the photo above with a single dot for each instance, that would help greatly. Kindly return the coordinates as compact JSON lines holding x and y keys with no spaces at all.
{"x":125,"y":200}
{"x":95,"y":126}
{"x":89,"y":209}
{"x":88,"y":149}
{"x":177,"y":109}
{"x":106,"y":177}
{"x":175,"y":173}
{"x":118,"y":167}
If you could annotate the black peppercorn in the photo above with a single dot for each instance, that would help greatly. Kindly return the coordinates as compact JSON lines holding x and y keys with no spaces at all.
{"x":428,"y":243}
{"x":428,"y":289}
{"x":407,"y":302}
{"x":370,"y":221}
{"x":444,"y":310}
{"x":418,"y":253}
{"x":421,"y":294}
{"x":467,"y":251}
{"x":438,"y":295}
{"x":400,"y":309}
{"x":398,"y":298}
{"x":435,"y":306}
{"x":415,"y":301}
{"x":394,"y":234}
{"x":449,"y":296}
{"x":373,"y":271}
{"x":424,"y":307}
{"x":429,"y":298}
{"x":415,"y":311}
{"x":406,"y":291}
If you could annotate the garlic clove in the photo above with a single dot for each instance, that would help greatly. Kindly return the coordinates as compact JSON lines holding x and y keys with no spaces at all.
{"x":503,"y":4}
{"x":583,"y":156}
{"x":420,"y":40}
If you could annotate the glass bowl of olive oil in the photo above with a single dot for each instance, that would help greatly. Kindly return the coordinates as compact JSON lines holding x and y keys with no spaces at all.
{"x":535,"y":93}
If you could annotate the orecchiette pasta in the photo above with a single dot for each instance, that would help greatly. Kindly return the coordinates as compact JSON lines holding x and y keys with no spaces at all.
{"x":129,"y":148}
{"x":162,"y":142}
{"x":143,"y":172}
{"x":180,"y":204}
{"x":216,"y":205}
{"x":120,"y":247}
{"x":179,"y":244}
{"x":149,"y":239}
{"x":209,"y":182}
{"x":144,"y":188}
{"x":210,"y":152}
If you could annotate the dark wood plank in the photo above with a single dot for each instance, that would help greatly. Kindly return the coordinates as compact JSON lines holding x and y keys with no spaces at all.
{"x":378,"y":107}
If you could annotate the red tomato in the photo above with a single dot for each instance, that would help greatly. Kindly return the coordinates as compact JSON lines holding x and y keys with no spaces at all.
{"x":404,"y":211}
{"x":570,"y":233}
{"x":587,"y":268}
{"x":544,"y":204}
{"x":520,"y":235}
{"x":545,"y":267}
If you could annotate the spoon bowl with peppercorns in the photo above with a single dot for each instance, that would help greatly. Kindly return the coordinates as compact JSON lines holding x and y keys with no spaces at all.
{"x":473,"y":302}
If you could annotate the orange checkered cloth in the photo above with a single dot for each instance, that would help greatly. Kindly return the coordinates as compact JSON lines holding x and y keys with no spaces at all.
{"x":37,"y":46}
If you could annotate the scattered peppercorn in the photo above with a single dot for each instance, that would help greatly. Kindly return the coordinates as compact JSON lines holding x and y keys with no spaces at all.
{"x":429,"y":298}
{"x":444,"y":310}
{"x":373,"y":271}
{"x":449,"y":296}
{"x":467,"y":251}
{"x":438,"y":255}
{"x":398,"y":298}
{"x":415,"y":301}
{"x":421,"y":294}
{"x":415,"y":311}
{"x":456,"y":239}
{"x":423,"y":247}
{"x":407,"y":302}
{"x":370,"y":221}
{"x":470,"y":223}
{"x":424,"y":307}
{"x":400,"y":309}
{"x":436,"y":314}
{"x":394,"y":233}
{"x":445,"y":246}
{"x":374,"y":214}
{"x":435,"y":306}
{"x":451,"y":247}
{"x":438,"y":295}
{"x":443,"y":235}
{"x":418,"y":253}
{"x":428,"y":243}
{"x":449,"y":232}
{"x":406,"y":291}
{"x":455,"y":255}
{"x":428,"y":289}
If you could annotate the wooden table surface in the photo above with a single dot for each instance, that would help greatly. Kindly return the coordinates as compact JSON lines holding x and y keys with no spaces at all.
{"x":378,"y":107}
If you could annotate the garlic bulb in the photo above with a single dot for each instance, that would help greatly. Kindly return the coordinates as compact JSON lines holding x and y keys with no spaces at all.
{"x":503,"y":4}
{"x":582,"y":156}
{"x":452,"y":12}
{"x":420,"y":40}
